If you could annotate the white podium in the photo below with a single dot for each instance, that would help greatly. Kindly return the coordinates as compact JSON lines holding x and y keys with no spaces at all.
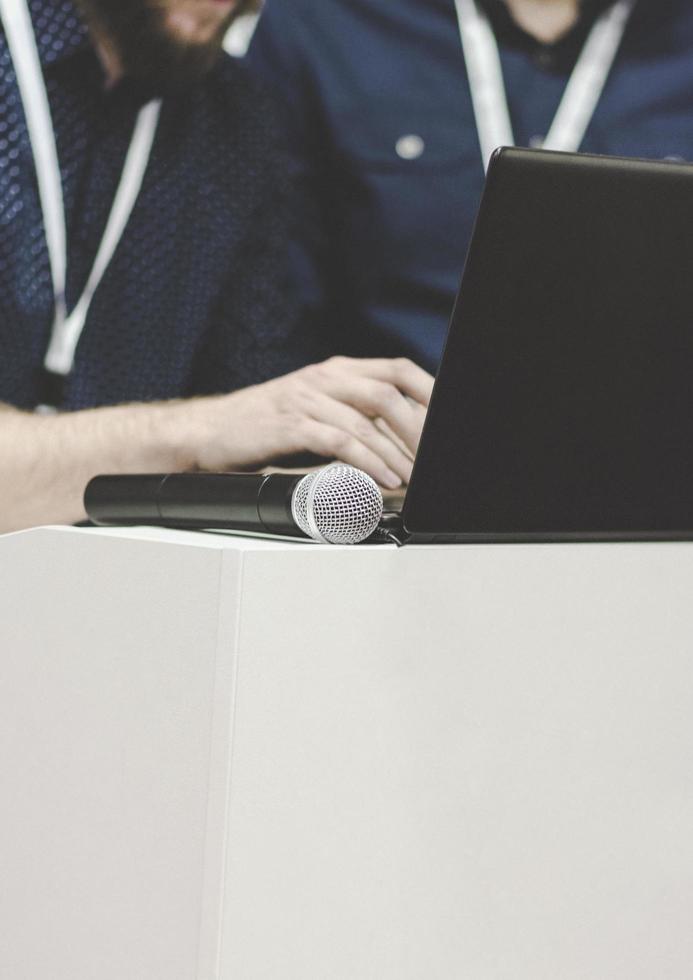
{"x":231,"y":759}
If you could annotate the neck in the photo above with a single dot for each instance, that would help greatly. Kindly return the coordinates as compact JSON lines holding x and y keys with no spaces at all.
{"x":546,"y":20}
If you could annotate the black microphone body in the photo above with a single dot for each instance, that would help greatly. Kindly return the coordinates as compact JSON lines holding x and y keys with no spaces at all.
{"x":234,"y":501}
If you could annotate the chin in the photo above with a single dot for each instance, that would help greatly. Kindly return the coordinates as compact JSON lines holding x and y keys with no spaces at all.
{"x":166,"y":44}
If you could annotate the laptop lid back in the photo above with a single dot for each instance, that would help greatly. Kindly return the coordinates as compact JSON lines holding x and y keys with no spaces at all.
{"x":563,"y":407}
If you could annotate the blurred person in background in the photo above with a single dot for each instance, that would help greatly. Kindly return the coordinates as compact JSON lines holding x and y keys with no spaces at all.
{"x":142,"y":259}
{"x":393,"y":107}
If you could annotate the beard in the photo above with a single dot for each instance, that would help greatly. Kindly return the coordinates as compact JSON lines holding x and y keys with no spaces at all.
{"x":149,"y":52}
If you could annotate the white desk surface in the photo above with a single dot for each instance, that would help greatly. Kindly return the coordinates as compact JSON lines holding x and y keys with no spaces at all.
{"x":226,"y":758}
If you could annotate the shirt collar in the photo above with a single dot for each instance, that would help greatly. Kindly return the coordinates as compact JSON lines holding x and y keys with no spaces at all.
{"x":60,"y":29}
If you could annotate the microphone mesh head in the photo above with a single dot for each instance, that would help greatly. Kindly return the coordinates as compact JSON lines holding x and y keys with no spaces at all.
{"x":337,"y":504}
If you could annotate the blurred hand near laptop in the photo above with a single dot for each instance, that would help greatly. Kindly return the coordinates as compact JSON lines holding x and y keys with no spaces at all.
{"x":366,"y":412}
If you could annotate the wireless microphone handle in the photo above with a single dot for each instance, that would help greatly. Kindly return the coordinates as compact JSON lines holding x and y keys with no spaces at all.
{"x":236,"y":501}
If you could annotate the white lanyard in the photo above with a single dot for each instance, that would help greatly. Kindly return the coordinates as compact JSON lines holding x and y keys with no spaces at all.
{"x":582,"y":94}
{"x":25,"y":57}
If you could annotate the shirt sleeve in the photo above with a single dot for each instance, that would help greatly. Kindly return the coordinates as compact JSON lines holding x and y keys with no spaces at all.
{"x":255,"y":332}
{"x":276,"y":57}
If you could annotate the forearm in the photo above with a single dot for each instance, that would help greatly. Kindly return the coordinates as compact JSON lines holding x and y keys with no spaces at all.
{"x":46,"y":461}
{"x":368,"y":413}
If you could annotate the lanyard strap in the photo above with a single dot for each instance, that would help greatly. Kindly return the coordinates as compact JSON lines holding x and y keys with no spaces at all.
{"x":67,"y":330}
{"x":582,"y":94}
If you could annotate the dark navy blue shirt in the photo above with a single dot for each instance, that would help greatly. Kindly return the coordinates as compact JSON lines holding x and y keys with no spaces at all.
{"x":380,"y":237}
{"x":194,"y":300}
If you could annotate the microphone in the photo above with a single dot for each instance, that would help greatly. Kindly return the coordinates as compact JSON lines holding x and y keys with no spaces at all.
{"x":337,"y":504}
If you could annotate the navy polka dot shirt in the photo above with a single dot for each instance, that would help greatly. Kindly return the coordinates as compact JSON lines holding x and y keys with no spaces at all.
{"x":194,"y":300}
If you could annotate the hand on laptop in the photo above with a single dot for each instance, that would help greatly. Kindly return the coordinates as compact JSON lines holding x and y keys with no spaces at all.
{"x":368,"y":413}
{"x":365,"y":412}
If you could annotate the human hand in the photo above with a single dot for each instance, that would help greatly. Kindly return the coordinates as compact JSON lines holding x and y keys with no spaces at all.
{"x":365,"y":412}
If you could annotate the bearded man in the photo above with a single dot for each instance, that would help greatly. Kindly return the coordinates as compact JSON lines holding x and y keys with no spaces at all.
{"x":141,"y":256}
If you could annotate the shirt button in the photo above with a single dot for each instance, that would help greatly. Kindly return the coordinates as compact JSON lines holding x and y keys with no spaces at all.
{"x":545,"y":58}
{"x":536,"y":142}
{"x":409,"y":147}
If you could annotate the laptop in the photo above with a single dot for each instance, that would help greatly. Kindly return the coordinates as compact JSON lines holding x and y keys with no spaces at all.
{"x":563,"y":406}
